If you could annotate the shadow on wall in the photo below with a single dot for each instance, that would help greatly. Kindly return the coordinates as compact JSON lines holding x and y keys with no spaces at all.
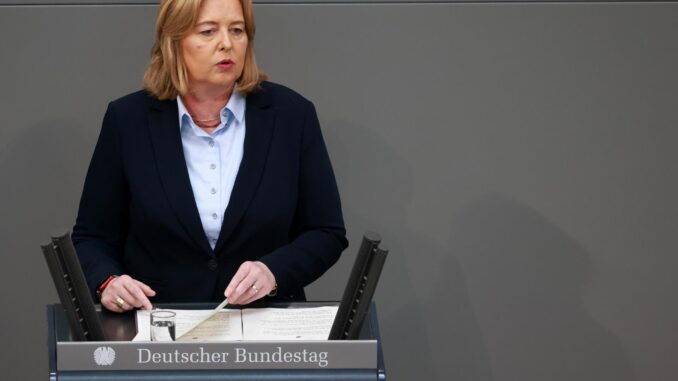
{"x":429,"y":331}
{"x":42,"y":168}
{"x":526,"y":278}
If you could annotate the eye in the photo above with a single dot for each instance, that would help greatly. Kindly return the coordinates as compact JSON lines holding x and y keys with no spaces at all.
{"x":237,"y":31}
{"x":207,"y":32}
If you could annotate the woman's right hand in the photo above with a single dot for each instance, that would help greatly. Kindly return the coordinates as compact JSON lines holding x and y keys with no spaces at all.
{"x":125,"y":293}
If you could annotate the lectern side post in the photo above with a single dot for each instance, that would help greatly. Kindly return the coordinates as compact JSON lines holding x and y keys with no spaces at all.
{"x":51,"y":343}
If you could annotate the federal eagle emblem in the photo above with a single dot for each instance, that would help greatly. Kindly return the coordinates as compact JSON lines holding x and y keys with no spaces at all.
{"x":104,"y":356}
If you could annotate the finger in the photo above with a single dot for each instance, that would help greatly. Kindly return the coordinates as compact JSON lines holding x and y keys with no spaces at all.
{"x":265,"y":279}
{"x":231,"y":290}
{"x":245,"y":290}
{"x":140,"y":299}
{"x":146,"y":292}
{"x":145,"y":288}
{"x":107,"y":300}
{"x":236,"y":295}
{"x":260,"y":276}
{"x":118,"y":308}
{"x":119,"y":290}
{"x":270,"y":278}
{"x":242,"y":272}
{"x":249,"y":295}
{"x":253,"y":296}
{"x":110,"y":305}
{"x":114,"y":290}
{"x":263,"y":288}
{"x":132,"y":291}
{"x":122,"y":293}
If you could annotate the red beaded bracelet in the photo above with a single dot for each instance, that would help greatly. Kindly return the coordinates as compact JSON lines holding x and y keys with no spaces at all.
{"x":103,"y":286}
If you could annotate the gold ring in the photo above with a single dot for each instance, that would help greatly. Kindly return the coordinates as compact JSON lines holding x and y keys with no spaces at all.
{"x":119,"y":302}
{"x":255,"y":289}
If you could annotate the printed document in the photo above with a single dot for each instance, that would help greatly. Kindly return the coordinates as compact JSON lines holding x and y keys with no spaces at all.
{"x":288,"y":323}
{"x":264,"y":324}
{"x":225,"y":325}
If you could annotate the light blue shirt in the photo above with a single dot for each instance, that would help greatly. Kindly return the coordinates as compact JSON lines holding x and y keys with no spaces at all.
{"x":213,"y":161}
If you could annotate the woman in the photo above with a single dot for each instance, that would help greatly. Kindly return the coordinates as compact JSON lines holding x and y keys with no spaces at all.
{"x":210,"y":182}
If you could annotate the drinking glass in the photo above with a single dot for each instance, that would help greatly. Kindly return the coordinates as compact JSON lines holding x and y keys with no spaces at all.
{"x":163,"y":325}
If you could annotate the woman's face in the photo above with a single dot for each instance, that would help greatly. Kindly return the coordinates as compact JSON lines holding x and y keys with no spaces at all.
{"x":214,"y":51}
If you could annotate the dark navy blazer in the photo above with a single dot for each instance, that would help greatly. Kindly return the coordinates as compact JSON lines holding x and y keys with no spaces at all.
{"x":138,"y":215}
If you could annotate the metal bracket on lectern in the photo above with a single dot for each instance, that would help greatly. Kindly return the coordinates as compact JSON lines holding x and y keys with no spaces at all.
{"x":71,"y":286}
{"x":360,"y":288}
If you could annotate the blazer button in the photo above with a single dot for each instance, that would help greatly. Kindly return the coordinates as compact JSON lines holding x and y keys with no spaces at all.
{"x":212,"y":264}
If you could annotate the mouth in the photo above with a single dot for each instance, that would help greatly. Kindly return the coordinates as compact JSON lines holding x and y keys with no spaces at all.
{"x":225,"y":64}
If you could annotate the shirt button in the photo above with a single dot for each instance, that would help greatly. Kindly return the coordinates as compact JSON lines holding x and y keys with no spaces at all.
{"x":211,"y":143}
{"x":214,"y":216}
{"x":213,"y":166}
{"x":212,"y":264}
{"x":213,"y":191}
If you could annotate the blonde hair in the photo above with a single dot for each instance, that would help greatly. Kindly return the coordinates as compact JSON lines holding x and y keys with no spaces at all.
{"x":166,"y":75}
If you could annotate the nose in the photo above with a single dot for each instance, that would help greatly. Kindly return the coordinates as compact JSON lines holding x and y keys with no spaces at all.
{"x":225,"y":41}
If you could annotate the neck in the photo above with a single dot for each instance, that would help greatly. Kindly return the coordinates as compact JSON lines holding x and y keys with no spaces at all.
{"x":203,"y":93}
{"x":204,"y":98}
{"x":204,"y":105}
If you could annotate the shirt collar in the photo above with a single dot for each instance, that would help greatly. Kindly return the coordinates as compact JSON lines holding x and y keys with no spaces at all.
{"x":235,"y":107}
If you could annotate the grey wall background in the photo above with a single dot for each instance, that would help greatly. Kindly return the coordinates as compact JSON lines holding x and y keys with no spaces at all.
{"x":518,"y":159}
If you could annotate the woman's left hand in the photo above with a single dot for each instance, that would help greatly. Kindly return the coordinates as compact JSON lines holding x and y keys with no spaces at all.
{"x":252,"y":281}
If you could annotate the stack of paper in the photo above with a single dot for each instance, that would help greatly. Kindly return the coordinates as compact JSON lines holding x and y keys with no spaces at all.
{"x":270,"y":324}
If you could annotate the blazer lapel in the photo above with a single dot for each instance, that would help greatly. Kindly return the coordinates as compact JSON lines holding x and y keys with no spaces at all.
{"x":169,"y":155}
{"x":259,"y":121}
